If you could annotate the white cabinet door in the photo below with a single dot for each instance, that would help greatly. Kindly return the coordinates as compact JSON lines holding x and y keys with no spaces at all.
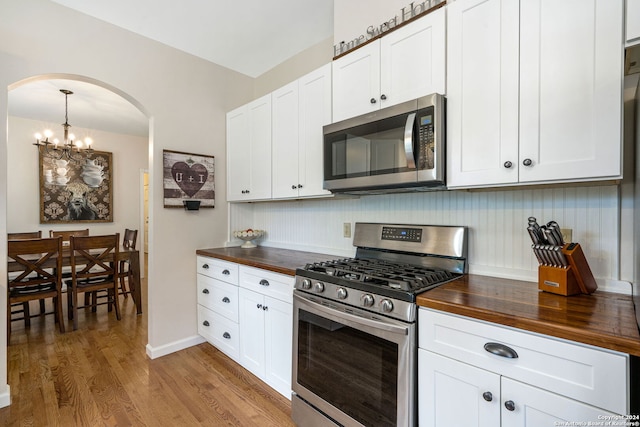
{"x":455,"y":394}
{"x":356,"y":82}
{"x":238,"y":146}
{"x":252,"y":355}
{"x":570,"y":89}
{"x":278,"y":335}
{"x":524,"y":405}
{"x":249,"y":151}
{"x":315,"y":112}
{"x":285,"y":141}
{"x":482,"y":92}
{"x":412,"y":60}
{"x":633,"y":21}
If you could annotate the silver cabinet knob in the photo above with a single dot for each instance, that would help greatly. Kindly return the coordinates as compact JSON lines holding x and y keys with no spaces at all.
{"x":508,"y":164}
{"x":226,"y":300}
{"x":205,"y":291}
{"x":527,"y":162}
{"x":226,"y":272}
{"x":510,"y":405}
{"x":383,"y":96}
{"x":487,"y":396}
{"x":205,"y":266}
{"x":373,"y":100}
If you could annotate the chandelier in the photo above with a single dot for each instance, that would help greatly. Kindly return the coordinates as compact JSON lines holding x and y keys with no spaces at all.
{"x":70,"y":148}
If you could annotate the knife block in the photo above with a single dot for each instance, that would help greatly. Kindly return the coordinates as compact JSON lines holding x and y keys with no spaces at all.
{"x":574,"y":279}
{"x":558,"y":280}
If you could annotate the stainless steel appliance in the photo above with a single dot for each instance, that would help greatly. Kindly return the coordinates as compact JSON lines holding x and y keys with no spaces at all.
{"x":354,"y":331}
{"x":399,"y":148}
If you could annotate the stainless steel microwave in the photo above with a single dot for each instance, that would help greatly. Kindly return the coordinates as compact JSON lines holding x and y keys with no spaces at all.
{"x":398,"y":148}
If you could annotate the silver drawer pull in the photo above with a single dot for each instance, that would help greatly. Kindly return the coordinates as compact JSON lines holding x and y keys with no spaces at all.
{"x":205,"y":291}
{"x":264,"y":282}
{"x":225,"y":299}
{"x":226,"y":272}
{"x":226,"y":335}
{"x":205,"y":323}
{"x":501,"y":350}
{"x":205,"y":266}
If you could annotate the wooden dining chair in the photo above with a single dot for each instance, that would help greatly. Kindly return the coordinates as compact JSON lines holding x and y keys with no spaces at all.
{"x":129,"y":240}
{"x":93,"y":268}
{"x":27,"y":235}
{"x":23,"y":308}
{"x":39,"y":275}
{"x":66,"y":235}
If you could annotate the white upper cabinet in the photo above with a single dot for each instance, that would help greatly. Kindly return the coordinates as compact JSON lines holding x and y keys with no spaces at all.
{"x":633,"y":21}
{"x":314,"y":112}
{"x":405,"y":64}
{"x":249,"y":151}
{"x":300,"y":109}
{"x":554,"y":116}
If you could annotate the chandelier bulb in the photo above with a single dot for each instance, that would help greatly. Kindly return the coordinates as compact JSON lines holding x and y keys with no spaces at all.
{"x":38,"y":136}
{"x":48,"y":134}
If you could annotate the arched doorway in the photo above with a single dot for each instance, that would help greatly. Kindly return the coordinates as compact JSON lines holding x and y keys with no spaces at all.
{"x":118,"y":123}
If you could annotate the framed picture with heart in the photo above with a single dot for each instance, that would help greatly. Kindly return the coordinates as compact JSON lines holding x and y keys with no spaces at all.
{"x":188,"y":177}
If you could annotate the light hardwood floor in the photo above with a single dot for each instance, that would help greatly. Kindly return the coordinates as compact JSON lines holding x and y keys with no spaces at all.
{"x":100,"y":375}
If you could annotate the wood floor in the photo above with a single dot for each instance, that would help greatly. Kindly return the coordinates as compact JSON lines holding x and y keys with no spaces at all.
{"x":100,"y":375}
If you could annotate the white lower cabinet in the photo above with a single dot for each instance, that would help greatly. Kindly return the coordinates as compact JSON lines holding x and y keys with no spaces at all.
{"x":266,"y":316}
{"x":247,"y":313}
{"x":218,"y":304}
{"x":466,"y":379}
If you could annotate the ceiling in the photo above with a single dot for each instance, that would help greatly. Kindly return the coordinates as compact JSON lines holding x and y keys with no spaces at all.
{"x":250,"y":37}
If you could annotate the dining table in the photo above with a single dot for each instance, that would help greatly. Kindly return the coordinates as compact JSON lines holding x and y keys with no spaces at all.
{"x":124,"y":254}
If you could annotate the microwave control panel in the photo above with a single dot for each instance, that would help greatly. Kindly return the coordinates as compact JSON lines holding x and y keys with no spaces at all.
{"x":426,"y":138}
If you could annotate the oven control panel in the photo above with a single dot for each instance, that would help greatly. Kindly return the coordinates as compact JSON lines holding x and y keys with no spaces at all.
{"x":405,"y":234}
{"x":397,"y":309}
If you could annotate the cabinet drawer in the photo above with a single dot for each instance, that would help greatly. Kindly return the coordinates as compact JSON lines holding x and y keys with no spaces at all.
{"x":218,"y":296}
{"x":275,"y":285}
{"x":598,"y":377}
{"x":218,"y":269}
{"x":219,"y":331}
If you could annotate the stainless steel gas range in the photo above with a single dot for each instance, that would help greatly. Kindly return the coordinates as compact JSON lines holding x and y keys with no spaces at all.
{"x":354,"y":338}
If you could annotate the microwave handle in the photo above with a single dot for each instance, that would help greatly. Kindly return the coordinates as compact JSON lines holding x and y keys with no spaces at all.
{"x":408,"y":140}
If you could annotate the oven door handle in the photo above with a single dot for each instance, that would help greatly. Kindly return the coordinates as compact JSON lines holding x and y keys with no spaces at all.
{"x":408,"y":141}
{"x":345,"y":317}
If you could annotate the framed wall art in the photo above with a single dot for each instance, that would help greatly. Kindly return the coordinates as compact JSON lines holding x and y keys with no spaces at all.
{"x":188,"y":180}
{"x":76,"y":191}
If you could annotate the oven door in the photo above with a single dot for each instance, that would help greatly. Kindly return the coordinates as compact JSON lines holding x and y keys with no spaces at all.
{"x":353,"y":366}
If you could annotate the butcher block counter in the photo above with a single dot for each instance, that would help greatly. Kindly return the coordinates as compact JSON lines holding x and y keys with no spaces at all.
{"x":602,"y":319}
{"x":283,"y":261}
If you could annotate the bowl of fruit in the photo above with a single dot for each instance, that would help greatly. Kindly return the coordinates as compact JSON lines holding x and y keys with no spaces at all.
{"x":248,"y":235}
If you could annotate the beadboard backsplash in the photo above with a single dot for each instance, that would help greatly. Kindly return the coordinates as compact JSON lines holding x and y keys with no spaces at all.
{"x":499,"y":244}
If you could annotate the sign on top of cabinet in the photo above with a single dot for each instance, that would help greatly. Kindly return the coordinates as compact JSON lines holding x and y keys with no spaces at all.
{"x":534,"y":91}
{"x":405,"y":64}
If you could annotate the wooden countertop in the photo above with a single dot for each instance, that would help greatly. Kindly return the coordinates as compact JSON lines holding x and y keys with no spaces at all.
{"x":602,"y":319}
{"x":282,"y":261}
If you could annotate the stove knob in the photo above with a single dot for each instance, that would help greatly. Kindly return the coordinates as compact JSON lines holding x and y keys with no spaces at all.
{"x":386,"y":306}
{"x":319,"y":287}
{"x":367,"y":300}
{"x":341,"y":293}
{"x":306,"y":284}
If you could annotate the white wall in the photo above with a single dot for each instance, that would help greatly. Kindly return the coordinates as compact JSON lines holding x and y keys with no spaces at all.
{"x":129,"y":156}
{"x":186,"y":99}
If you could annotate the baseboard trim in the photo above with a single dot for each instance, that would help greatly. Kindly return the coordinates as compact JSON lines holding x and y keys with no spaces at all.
{"x":163,"y":350}
{"x":5,"y":398}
